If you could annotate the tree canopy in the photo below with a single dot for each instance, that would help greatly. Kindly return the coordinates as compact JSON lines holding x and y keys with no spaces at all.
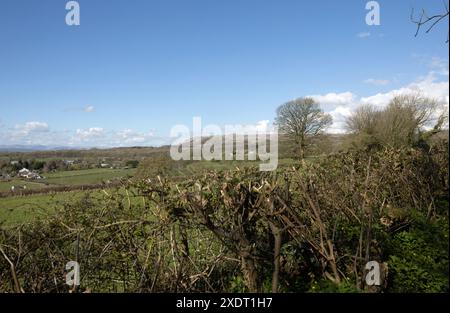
{"x":302,"y":119}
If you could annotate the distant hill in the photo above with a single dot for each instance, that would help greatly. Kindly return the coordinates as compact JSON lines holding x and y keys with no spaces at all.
{"x":19,"y":151}
{"x":325,"y":144}
{"x":31,"y":148}
{"x":286,"y":149}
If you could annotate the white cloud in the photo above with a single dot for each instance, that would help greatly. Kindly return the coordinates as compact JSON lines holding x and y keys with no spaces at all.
{"x":439,"y":66}
{"x":335,"y":98}
{"x":363,"y":35}
{"x":435,"y":64}
{"x":88,"y":134}
{"x":129,"y":136}
{"x":262,"y":126}
{"x":341,"y":105}
{"x":32,"y":127}
{"x":377,"y":82}
{"x":37,"y":133}
{"x":335,"y":103}
{"x":428,"y":86}
{"x":89,"y":109}
{"x":99,"y":137}
{"x":27,"y":133}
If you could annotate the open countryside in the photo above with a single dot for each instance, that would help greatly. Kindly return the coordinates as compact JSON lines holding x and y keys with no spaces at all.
{"x":108,"y":184}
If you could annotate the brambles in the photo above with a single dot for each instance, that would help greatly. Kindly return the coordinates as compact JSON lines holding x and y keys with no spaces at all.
{"x":419,"y":258}
{"x":312,"y":227}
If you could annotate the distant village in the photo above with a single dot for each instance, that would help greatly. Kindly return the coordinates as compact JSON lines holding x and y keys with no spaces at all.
{"x":31,"y":173}
{"x":34,"y":170}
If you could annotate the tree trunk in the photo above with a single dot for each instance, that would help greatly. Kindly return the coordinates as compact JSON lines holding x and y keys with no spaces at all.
{"x":301,"y":153}
{"x":250,"y":274}
{"x":301,"y":148}
{"x":276,"y":256}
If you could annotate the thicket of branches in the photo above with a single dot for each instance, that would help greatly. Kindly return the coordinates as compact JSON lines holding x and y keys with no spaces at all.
{"x":309,"y":228}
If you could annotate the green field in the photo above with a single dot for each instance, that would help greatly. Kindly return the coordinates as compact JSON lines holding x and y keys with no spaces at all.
{"x":85,"y":177}
{"x":6,"y":186}
{"x":20,"y":209}
{"x":81,"y":177}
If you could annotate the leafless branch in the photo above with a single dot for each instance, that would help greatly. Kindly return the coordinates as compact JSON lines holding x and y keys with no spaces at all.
{"x":424,"y":20}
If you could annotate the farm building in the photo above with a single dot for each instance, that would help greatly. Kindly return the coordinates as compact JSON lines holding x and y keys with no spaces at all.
{"x":23,"y":172}
{"x":26,"y":173}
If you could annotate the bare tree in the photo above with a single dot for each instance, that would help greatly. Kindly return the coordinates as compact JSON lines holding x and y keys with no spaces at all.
{"x":401,"y":123}
{"x":363,"y":120}
{"x":420,"y":108}
{"x":424,"y":20}
{"x":406,"y":118}
{"x":302,"y":120}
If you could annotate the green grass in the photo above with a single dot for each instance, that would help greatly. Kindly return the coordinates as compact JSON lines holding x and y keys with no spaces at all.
{"x":6,"y":185}
{"x":81,"y":177}
{"x":85,"y":177}
{"x":21,"y":209}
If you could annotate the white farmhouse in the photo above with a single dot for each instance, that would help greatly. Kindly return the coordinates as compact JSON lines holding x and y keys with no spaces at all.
{"x":24,"y":172}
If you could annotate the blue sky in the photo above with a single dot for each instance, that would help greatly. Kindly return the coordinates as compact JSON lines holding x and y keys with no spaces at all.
{"x":133,"y":69}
